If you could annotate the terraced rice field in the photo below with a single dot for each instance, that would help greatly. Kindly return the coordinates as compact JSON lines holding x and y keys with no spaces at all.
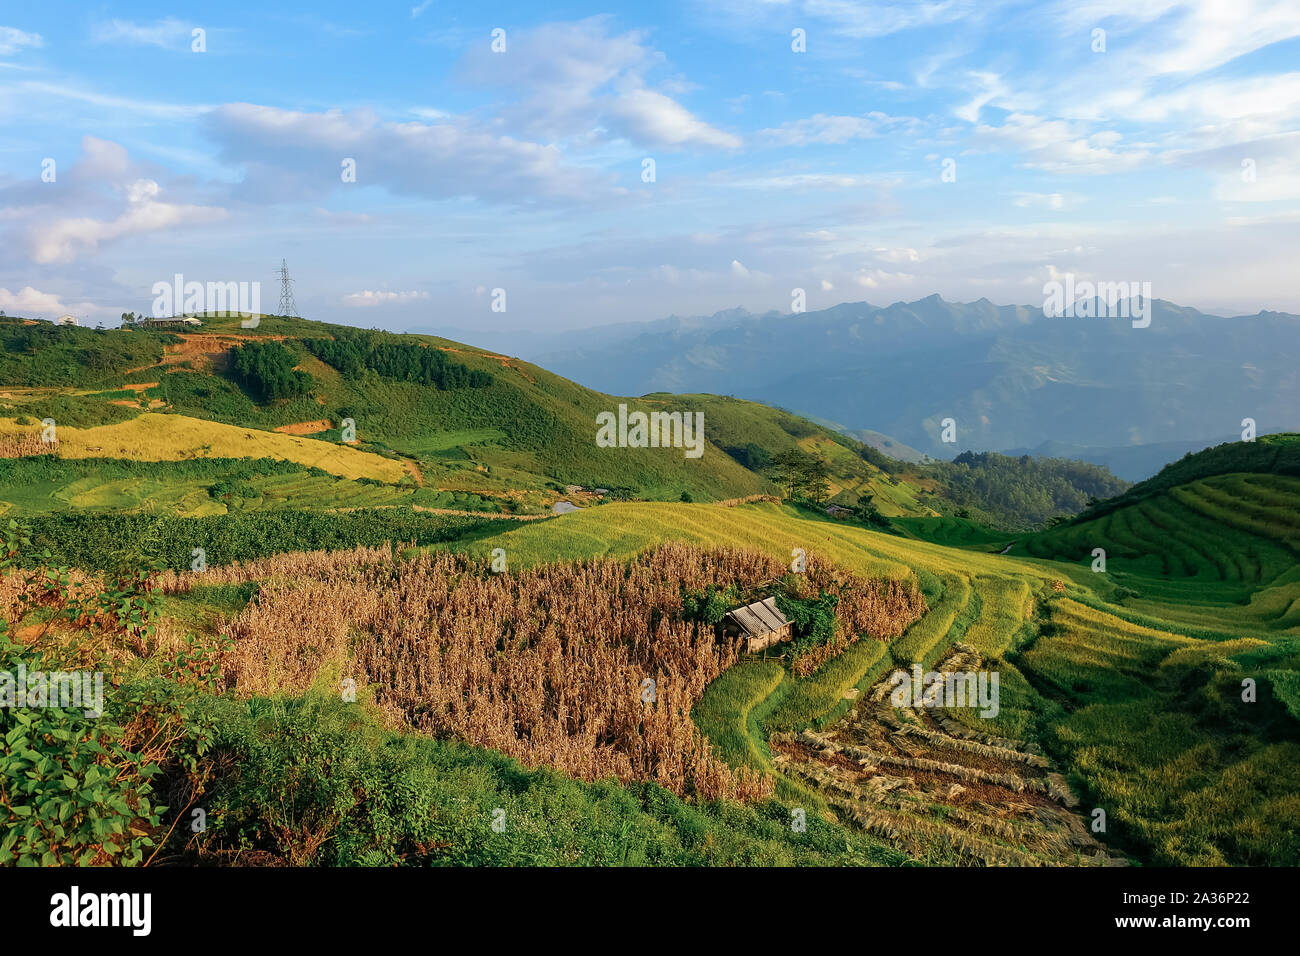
{"x":1222,"y":553}
{"x":939,"y":790}
{"x":1101,"y":688}
{"x":955,"y":533}
{"x":156,"y":437}
{"x":1183,"y":766}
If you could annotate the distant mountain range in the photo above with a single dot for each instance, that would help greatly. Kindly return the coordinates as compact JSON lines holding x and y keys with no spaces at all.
{"x":1012,"y":378}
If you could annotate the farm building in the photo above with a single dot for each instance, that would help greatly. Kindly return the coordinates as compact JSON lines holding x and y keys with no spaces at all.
{"x":174,"y":319}
{"x":836,"y":511}
{"x":760,"y":623}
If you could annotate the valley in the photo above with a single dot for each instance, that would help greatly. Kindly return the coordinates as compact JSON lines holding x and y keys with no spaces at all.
{"x":377,"y":513}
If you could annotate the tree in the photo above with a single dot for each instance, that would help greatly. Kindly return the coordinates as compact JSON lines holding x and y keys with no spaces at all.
{"x":787,"y":469}
{"x":803,"y":475}
{"x":816,"y":480}
{"x":267,"y":370}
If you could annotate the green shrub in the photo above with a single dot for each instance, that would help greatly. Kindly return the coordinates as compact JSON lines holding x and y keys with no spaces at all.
{"x":355,"y":353}
{"x":99,"y":540}
{"x":75,"y":785}
{"x":813,"y":619}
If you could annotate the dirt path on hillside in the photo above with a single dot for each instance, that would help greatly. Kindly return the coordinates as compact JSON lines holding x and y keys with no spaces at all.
{"x":505,"y":360}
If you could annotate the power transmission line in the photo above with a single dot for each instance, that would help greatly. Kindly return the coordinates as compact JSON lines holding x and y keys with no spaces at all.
{"x":287,"y":305}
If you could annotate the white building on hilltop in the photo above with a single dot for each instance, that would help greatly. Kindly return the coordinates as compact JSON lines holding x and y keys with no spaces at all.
{"x":66,"y":320}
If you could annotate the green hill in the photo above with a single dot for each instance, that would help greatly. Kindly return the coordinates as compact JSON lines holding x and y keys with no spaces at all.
{"x":438,"y":424}
{"x":1212,"y":540}
{"x":1122,"y":687}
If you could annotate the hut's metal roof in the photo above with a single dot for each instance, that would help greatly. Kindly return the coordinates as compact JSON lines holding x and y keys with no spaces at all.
{"x":761,"y":617}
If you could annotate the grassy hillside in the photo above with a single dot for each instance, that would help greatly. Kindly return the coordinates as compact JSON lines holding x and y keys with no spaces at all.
{"x":432,"y":418}
{"x":159,"y":396}
{"x":1123,"y":688}
{"x":1212,"y":541}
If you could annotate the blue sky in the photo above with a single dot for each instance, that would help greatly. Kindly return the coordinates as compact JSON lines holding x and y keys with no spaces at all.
{"x":523,"y":169}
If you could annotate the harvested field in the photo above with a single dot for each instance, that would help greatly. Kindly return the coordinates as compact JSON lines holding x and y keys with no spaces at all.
{"x":928,"y":784}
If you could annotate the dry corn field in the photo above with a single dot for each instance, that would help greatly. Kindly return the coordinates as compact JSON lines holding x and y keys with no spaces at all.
{"x":551,"y":666}
{"x":24,"y":444}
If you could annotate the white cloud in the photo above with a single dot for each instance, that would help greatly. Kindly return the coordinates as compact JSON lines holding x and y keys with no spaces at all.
{"x":991,"y":88}
{"x":12,"y":40}
{"x":1192,"y":36}
{"x":1059,"y":146}
{"x":103,"y":196}
{"x":291,"y":155}
{"x":368,"y":299}
{"x":149,"y":108}
{"x":875,"y":278}
{"x":579,"y":81}
{"x":168,"y":33}
{"x":1050,"y":201}
{"x":1275,"y":181}
{"x":62,"y":240}
{"x":657,"y":120}
{"x":30,"y":303}
{"x":823,"y":128}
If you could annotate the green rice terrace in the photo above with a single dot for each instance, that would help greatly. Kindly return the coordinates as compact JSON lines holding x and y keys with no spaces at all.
{"x":359,"y":648}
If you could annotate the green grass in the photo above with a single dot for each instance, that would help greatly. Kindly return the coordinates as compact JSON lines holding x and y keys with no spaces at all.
{"x":316,"y":766}
{"x":955,"y":532}
{"x":820,"y":698}
{"x":725,"y":712}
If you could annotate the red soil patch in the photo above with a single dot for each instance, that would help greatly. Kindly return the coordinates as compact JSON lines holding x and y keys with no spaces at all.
{"x":204,"y":350}
{"x":305,"y":428}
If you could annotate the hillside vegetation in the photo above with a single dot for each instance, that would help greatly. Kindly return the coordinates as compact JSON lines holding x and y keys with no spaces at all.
{"x":417,"y":565}
{"x":1212,"y":541}
{"x":1145,"y":714}
{"x":422,"y":412}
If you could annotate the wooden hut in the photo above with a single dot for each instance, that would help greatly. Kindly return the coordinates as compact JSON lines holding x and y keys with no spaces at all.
{"x":760,"y":624}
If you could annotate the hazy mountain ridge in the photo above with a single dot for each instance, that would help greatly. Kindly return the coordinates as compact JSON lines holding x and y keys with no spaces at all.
{"x":1010,"y":376}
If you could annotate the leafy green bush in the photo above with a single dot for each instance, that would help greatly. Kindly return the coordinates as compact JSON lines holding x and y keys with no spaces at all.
{"x":99,"y":541}
{"x":813,"y":619}
{"x":75,"y":785}
{"x":709,"y":606}
{"x":750,"y":455}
